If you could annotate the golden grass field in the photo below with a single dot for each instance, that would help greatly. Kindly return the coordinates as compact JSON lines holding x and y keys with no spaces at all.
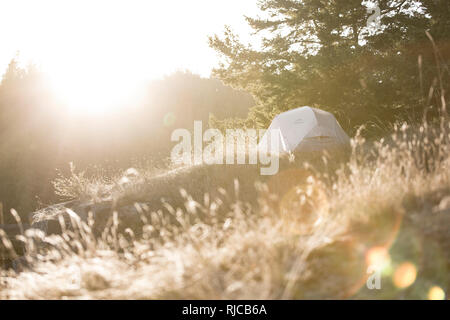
{"x":310,"y":232}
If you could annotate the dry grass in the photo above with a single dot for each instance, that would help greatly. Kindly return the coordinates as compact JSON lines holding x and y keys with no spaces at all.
{"x":311,"y":236}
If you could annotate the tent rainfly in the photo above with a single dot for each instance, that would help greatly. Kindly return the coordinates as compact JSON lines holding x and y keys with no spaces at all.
{"x":303,"y":129}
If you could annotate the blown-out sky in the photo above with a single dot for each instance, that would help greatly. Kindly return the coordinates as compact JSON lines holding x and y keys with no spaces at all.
{"x":111,"y":44}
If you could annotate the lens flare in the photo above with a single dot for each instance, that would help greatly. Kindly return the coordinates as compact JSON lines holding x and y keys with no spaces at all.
{"x":436,"y":293}
{"x":405,"y":275}
{"x":378,"y":257}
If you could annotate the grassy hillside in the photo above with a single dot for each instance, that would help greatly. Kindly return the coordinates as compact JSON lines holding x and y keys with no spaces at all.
{"x":312,"y":231}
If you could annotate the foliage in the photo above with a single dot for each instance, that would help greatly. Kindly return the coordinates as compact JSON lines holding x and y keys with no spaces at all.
{"x":323,"y":54}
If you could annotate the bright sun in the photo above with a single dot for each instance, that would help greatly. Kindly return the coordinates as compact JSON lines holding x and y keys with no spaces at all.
{"x":96,"y":53}
{"x":96,"y":91}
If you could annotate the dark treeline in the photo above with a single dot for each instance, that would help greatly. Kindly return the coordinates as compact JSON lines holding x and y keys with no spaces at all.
{"x":39,"y":135}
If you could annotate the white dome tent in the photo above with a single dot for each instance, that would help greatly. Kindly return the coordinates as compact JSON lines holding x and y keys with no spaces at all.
{"x":303,"y":129}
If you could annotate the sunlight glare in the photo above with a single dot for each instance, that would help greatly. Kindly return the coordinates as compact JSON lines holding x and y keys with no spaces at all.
{"x":95,"y":93}
{"x":96,"y":52}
